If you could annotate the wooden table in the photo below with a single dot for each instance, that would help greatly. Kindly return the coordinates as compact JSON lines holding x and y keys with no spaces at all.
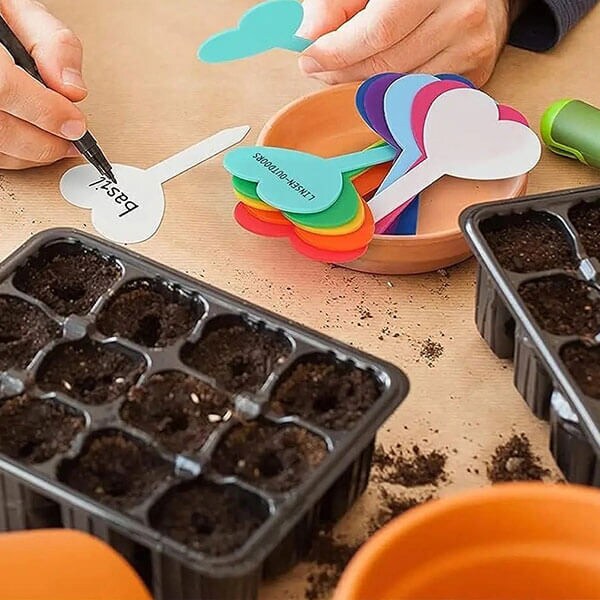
{"x":150,"y":98}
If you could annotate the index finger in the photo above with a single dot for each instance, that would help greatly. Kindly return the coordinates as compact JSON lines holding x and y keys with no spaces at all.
{"x":379,"y":26}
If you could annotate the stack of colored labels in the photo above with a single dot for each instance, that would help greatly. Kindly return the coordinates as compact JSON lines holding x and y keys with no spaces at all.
{"x":338,"y":234}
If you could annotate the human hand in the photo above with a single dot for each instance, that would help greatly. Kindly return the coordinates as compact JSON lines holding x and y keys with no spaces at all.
{"x":36,"y":122}
{"x":359,"y":38}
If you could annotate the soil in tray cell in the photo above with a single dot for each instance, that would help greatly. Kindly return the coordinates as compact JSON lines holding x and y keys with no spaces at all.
{"x":150,"y":314}
{"x":115,"y":469}
{"x":24,"y":330}
{"x":583,"y":362}
{"x":586,"y":219}
{"x":329,"y":394}
{"x":69,"y":279}
{"x":239,"y":355}
{"x":276,"y":458}
{"x":90,"y":372}
{"x":529,"y":242}
{"x":33,"y":430}
{"x":178,"y":410}
{"x":212,"y":519}
{"x":563,"y":305}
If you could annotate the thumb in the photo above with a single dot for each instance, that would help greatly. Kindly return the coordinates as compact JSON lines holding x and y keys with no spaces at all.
{"x":324,"y":16}
{"x":57,"y":51}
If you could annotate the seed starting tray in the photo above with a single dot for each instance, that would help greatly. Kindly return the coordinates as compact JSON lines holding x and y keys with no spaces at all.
{"x":530,"y":330}
{"x":278,"y":523}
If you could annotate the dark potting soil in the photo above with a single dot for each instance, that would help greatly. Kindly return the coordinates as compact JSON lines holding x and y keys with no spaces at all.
{"x":24,"y":330}
{"x":148,"y":314}
{"x":115,"y":469}
{"x":586,"y":218}
{"x":178,"y":410}
{"x":530,"y":242}
{"x":563,"y":305}
{"x":514,"y":461}
{"x":240,"y":357}
{"x":334,"y":396}
{"x":276,"y":458}
{"x":208,"y":518}
{"x":33,"y":431}
{"x":67,"y":283}
{"x":583,"y":363}
{"x":90,"y":372}
{"x":409,"y":468}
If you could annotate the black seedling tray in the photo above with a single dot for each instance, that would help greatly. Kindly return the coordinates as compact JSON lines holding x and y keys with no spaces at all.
{"x":145,"y":477}
{"x":538,"y":301}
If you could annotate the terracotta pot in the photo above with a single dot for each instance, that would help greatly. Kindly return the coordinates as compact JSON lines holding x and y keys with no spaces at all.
{"x":62,"y":564}
{"x":513,"y":541}
{"x":327,"y":123}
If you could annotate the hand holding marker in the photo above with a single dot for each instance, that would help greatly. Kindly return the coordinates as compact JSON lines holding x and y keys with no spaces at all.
{"x":85,"y":144}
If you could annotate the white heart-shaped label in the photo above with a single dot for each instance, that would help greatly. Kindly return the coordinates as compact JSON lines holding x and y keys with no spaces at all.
{"x":127,"y":212}
{"x":466,"y":138}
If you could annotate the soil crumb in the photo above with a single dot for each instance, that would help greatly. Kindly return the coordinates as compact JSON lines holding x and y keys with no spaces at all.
{"x":431,"y":351}
{"x":410,"y":468}
{"x":514,"y":461}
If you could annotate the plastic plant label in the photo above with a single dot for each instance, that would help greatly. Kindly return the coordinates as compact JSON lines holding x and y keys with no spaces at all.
{"x":131,"y":210}
{"x":464,"y":137}
{"x":298,"y":182}
{"x":271,"y":24}
{"x":400,"y":104}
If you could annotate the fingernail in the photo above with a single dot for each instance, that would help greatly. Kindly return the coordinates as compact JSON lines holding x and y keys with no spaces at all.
{"x":309,"y":65}
{"x":72,"y":152}
{"x":73,"y":78}
{"x":73,"y":130}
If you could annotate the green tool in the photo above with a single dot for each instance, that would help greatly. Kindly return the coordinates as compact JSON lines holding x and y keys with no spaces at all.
{"x":572,"y":128}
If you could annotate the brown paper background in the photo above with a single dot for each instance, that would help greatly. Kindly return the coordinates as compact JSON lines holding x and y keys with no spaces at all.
{"x":150,"y":97}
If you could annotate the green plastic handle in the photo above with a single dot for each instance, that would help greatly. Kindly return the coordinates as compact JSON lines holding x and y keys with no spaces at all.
{"x":572,"y":128}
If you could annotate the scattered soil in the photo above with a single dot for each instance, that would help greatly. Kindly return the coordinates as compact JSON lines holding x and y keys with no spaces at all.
{"x":69,"y":283}
{"x":115,"y":470}
{"x":178,"y":410}
{"x":239,"y":357}
{"x":431,"y":351}
{"x":392,"y":506}
{"x":586,"y":218}
{"x":530,"y":242}
{"x":90,"y":372}
{"x":208,"y":518}
{"x":410,"y":468}
{"x":563,"y":305}
{"x":334,"y":396}
{"x":33,"y":431}
{"x":269,"y":456}
{"x":514,"y":461}
{"x":331,"y":557}
{"x":583,"y":362}
{"x":149,"y":314}
{"x":24,"y":330}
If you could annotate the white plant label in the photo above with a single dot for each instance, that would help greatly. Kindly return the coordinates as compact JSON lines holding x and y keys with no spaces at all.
{"x":132,"y":210}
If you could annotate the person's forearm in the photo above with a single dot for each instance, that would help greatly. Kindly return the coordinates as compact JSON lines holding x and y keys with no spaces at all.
{"x":540,"y":24}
